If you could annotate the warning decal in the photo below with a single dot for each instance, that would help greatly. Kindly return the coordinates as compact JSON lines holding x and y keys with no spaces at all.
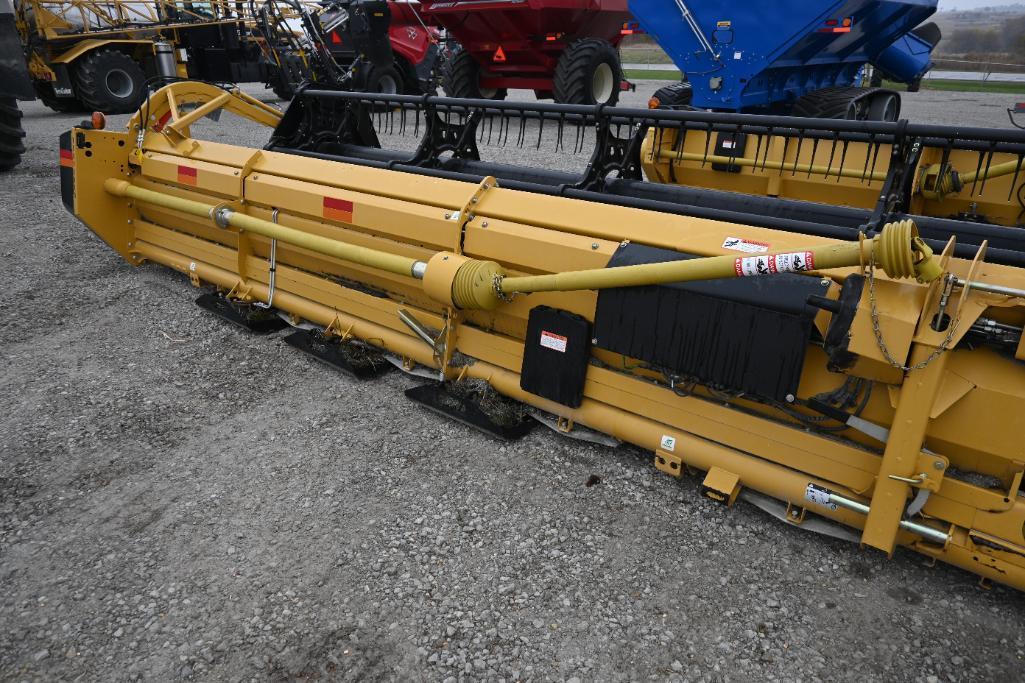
{"x":819,"y":496}
{"x":741,"y":244}
{"x":553,"y":341}
{"x":792,"y":262}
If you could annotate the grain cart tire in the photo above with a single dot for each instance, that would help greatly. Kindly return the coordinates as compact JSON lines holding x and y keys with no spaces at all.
{"x":11,"y":134}
{"x":462,"y":79}
{"x":111,"y":82}
{"x":63,"y":105}
{"x":588,"y":72}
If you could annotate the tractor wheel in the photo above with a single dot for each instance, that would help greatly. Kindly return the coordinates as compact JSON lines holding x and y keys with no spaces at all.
{"x":62,"y":105}
{"x":385,"y":80}
{"x":462,"y":79}
{"x":11,"y":134}
{"x":588,"y":72}
{"x":675,"y":96}
{"x":111,"y":82}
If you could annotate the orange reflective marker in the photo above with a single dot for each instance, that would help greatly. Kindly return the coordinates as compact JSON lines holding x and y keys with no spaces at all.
{"x":338,"y":209}
{"x":187,"y":175}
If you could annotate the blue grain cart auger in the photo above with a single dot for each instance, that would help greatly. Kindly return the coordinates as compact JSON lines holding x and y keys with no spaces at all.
{"x":800,"y":57}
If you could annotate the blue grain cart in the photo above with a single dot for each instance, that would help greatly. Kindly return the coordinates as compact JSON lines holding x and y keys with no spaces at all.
{"x":802,"y":57}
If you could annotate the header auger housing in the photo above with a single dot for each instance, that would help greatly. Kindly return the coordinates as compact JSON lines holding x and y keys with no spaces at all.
{"x":873,"y":377}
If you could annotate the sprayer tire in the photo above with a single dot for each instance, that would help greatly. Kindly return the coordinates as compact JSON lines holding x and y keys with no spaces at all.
{"x":462,"y":79}
{"x":110,"y":81}
{"x":11,"y":134}
{"x":588,"y":71}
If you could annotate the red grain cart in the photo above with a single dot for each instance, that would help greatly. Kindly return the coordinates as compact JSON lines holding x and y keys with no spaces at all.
{"x":564,"y":49}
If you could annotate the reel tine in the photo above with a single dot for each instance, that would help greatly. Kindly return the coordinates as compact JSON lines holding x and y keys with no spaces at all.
{"x":985,"y":177}
{"x":797,"y":154}
{"x":540,"y":129}
{"x":832,"y":155}
{"x":733,"y":150}
{"x":765,"y":153}
{"x":875,"y":160}
{"x":864,"y":171}
{"x":402,"y":120}
{"x":814,"y":153}
{"x":708,"y":140}
{"x":416,"y":121}
{"x":523,"y":131}
{"x":558,"y":136}
{"x":978,"y":170}
{"x":783,"y":157}
{"x":1014,"y":180}
{"x":758,"y":148}
{"x":843,"y":158}
{"x":491,"y":125}
{"x":504,"y":121}
{"x":681,"y":137}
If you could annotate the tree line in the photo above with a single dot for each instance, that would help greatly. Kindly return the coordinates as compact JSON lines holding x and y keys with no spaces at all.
{"x":1006,"y":41}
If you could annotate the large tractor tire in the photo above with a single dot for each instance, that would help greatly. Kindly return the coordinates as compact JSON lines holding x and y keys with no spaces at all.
{"x":11,"y":134}
{"x":588,"y":72}
{"x":62,"y":105}
{"x":110,"y":81}
{"x":385,"y":79}
{"x":462,"y":79}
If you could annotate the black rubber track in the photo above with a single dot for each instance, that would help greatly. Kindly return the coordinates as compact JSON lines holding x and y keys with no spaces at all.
{"x":832,"y":103}
{"x":576,"y":67}
{"x":462,"y":78}
{"x":91,"y":82}
{"x":11,"y":134}
{"x":675,"y":95}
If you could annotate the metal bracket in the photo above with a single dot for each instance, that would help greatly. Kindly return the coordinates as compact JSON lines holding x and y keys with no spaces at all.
{"x":669,"y":463}
{"x":895,"y":195}
{"x":443,"y":136}
{"x":795,"y":513}
{"x":465,"y":214}
{"x":611,"y":154}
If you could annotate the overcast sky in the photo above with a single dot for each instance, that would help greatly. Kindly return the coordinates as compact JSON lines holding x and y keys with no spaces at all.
{"x":975,"y":4}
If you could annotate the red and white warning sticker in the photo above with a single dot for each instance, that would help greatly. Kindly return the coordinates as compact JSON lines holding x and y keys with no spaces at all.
{"x":792,"y":262}
{"x":748,"y":246}
{"x":553,"y":341}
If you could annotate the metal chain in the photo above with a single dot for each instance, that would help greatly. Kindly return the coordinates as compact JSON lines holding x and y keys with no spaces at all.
{"x":879,"y":332}
{"x":496,"y":284}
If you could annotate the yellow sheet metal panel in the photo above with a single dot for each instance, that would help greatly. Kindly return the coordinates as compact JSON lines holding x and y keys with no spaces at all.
{"x":215,"y":179}
{"x":361,"y":211}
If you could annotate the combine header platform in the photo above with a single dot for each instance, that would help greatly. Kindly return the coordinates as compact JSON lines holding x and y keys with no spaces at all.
{"x":868,"y":370}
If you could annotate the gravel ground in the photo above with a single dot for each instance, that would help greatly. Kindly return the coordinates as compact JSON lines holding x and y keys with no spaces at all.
{"x":179,"y":500}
